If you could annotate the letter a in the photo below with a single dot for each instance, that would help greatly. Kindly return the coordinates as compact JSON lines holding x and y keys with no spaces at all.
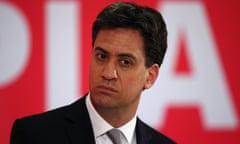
{"x":206,"y":86}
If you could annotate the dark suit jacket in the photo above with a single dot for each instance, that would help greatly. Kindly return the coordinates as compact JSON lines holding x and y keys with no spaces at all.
{"x":71,"y":125}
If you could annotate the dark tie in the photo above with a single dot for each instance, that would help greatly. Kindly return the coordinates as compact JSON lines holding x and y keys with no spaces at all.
{"x":115,"y":135}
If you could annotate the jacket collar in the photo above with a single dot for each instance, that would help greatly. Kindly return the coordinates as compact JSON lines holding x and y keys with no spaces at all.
{"x":78,"y":124}
{"x":143,"y":135}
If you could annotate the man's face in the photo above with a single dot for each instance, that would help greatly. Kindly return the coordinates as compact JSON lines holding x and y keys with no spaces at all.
{"x":117,"y":70}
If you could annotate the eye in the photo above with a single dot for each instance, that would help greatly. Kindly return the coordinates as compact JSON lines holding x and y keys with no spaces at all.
{"x":125,"y":63}
{"x":101,"y":56}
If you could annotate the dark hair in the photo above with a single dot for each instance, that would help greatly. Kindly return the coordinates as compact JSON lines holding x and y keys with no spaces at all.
{"x":146,"y":20}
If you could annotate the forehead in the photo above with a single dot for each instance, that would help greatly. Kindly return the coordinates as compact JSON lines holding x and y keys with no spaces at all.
{"x":120,"y":40}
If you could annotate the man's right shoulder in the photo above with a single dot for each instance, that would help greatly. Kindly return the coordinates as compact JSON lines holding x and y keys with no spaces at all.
{"x":51,"y":126}
{"x":50,"y":117}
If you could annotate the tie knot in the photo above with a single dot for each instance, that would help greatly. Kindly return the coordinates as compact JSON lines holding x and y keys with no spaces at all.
{"x":115,"y":136}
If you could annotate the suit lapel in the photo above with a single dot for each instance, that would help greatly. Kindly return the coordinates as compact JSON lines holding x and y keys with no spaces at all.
{"x":78,"y":124}
{"x":143,"y":135}
{"x":147,"y":135}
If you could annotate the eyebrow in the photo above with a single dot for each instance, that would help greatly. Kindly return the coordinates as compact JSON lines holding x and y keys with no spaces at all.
{"x":101,"y":49}
{"x":119,"y":55}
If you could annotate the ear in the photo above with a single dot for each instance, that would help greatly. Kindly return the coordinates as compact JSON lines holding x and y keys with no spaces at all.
{"x":152,"y":76}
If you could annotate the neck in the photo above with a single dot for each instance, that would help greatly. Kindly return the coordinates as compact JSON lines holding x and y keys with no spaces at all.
{"x":117,"y":118}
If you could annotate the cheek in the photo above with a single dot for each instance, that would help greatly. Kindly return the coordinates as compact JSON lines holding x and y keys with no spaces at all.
{"x":93,"y":71}
{"x":135,"y":81}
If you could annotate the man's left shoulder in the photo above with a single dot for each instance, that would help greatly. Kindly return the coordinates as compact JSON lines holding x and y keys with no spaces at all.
{"x":153,"y":135}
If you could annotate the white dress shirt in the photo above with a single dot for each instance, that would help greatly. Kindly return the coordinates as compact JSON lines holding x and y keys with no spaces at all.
{"x":100,"y":127}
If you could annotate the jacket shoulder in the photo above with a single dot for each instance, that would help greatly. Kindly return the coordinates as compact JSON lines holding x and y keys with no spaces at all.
{"x":48,"y":116}
{"x":57,"y":114}
{"x":39,"y":127}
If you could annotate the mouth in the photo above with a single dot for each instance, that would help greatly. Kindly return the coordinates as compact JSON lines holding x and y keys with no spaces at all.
{"x":106,"y":89}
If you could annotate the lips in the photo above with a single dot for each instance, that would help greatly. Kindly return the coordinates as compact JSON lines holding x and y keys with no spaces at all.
{"x":106,"y":89}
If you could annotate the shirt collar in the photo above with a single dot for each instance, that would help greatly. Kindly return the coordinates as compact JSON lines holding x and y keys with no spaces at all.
{"x":100,"y":126}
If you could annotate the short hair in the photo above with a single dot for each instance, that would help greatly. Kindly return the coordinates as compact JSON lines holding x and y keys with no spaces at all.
{"x":148,"y":21}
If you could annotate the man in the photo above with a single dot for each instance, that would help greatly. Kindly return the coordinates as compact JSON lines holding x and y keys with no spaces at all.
{"x":129,"y":42}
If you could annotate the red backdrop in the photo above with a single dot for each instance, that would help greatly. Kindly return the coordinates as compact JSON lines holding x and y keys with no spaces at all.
{"x":25,"y":87}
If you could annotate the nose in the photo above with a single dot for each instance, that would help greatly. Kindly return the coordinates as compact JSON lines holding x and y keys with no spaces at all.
{"x":109,"y":71}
